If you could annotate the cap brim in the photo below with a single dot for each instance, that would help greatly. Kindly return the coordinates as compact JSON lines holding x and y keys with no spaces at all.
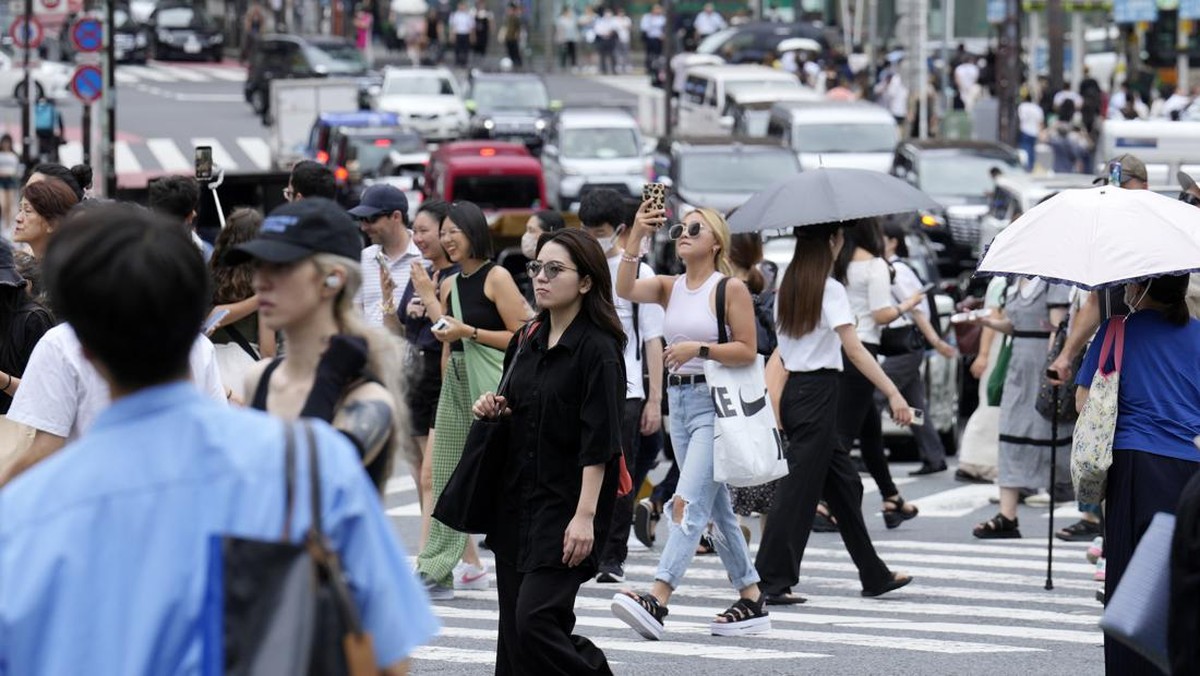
{"x":266,"y":250}
{"x":1185,"y":181}
{"x":10,"y":277}
{"x":363,"y":211}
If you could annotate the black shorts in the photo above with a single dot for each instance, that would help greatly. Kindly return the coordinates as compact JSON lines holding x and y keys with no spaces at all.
{"x":425,"y":388}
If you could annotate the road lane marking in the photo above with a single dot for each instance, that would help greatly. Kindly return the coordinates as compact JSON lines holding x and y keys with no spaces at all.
{"x":124,"y":159}
{"x":146,"y":73}
{"x":220,"y":156}
{"x":226,"y":74}
{"x":168,"y":155}
{"x":71,"y":153}
{"x":955,"y":502}
{"x":259,"y":152}
{"x":180,"y":73}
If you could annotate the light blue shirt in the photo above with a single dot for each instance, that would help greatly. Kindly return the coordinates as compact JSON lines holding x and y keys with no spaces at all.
{"x":103,"y":546}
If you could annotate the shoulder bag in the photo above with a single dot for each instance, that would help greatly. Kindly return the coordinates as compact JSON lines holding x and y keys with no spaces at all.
{"x":468,"y":502}
{"x":1092,"y":442}
{"x":899,"y":340}
{"x":484,"y":364}
{"x":1138,"y":611}
{"x":995,"y":384}
{"x":1065,"y":403}
{"x":747,"y":447}
{"x":282,"y":607}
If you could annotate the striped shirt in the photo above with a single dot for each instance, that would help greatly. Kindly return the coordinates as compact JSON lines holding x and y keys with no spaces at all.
{"x":370,"y":297}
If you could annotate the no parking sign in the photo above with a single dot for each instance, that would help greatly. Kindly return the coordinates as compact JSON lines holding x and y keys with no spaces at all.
{"x":87,"y":35}
{"x":87,"y":84}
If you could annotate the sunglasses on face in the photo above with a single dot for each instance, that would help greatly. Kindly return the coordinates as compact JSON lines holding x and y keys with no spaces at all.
{"x":679,"y":229}
{"x":535,"y":268}
{"x":1188,"y":198}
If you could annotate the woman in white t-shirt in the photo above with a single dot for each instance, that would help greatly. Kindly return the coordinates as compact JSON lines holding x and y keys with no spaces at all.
{"x":815,"y":324}
{"x":860,"y":267}
{"x":1032,"y":120}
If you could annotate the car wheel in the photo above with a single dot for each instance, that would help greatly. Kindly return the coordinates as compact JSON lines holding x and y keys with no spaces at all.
{"x":19,"y":91}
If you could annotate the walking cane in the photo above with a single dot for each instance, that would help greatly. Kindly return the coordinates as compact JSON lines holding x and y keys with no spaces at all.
{"x":1053,"y":466}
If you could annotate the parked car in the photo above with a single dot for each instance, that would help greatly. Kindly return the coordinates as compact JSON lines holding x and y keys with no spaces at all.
{"x":320,"y":137}
{"x":49,"y":78}
{"x":957,"y":175}
{"x":594,"y":148}
{"x":748,"y":109}
{"x":751,"y":42}
{"x":296,"y":56}
{"x":512,"y":107}
{"x":427,"y":99}
{"x":855,"y":134}
{"x":356,"y":153}
{"x":185,"y":32}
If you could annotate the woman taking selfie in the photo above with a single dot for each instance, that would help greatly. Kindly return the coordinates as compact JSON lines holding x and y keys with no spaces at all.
{"x":804,"y":376}
{"x":306,"y":271}
{"x":566,"y":395}
{"x":482,"y":308}
{"x":690,"y":327}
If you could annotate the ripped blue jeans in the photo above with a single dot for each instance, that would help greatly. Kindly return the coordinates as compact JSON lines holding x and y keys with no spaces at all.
{"x":692,"y":416}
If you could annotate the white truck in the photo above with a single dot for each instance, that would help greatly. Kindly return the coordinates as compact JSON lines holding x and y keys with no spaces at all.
{"x":295,"y":105}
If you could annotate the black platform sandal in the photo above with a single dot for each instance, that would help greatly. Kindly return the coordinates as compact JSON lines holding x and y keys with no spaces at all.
{"x":743,"y":618}
{"x":894,"y":514}
{"x":997,"y":527}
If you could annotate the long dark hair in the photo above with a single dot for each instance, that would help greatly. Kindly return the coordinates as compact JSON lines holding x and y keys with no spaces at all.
{"x":803,"y":287}
{"x":233,"y":283}
{"x":470,"y":219}
{"x":746,"y":252}
{"x":589,"y":260}
{"x":861,"y":233}
{"x":1171,"y":291}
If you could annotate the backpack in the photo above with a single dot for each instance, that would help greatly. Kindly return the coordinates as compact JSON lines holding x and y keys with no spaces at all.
{"x":764,"y":320}
{"x":43,"y":115}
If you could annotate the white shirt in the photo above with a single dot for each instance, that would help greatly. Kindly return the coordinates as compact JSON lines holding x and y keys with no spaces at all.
{"x":653,"y":25}
{"x":624,"y":28}
{"x":462,"y":23}
{"x":605,"y":27}
{"x":1032,"y":118}
{"x":707,"y":23}
{"x":650,"y":326}
{"x":62,"y":393}
{"x":370,"y":296}
{"x":1067,"y":94}
{"x":906,"y":285}
{"x":966,"y":75}
{"x":820,"y":348}
{"x":869,"y":286}
{"x":897,"y":96}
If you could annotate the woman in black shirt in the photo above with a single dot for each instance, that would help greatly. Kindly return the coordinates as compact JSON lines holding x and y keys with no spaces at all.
{"x":566,"y":394}
{"x":22,"y":323}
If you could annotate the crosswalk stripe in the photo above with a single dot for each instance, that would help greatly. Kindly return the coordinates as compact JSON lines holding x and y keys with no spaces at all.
{"x":70,"y":153}
{"x":220,"y":156}
{"x":168,"y":155}
{"x":179,"y":73}
{"x":259,"y":152}
{"x":146,"y":73}
{"x":124,"y":159}
{"x":125,"y":77}
{"x":436,"y":653}
{"x":220,"y":73}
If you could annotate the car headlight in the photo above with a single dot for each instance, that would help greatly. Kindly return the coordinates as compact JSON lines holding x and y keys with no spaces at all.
{"x":932,"y":220}
{"x":571,"y":171}
{"x":489,"y":125}
{"x":218,"y":39}
{"x":539,"y":125}
{"x":140,"y":40}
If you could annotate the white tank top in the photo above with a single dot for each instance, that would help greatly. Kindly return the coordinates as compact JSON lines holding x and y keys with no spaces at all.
{"x":690,"y":317}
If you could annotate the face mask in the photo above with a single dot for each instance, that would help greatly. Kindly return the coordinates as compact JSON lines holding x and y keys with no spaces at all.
{"x":605,"y":243}
{"x":529,"y":245}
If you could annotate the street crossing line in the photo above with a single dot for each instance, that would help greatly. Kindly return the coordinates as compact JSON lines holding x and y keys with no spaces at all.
{"x":220,"y":156}
{"x":168,"y":155}
{"x":71,"y":153}
{"x":226,"y":74}
{"x":179,"y":73}
{"x":146,"y":73}
{"x":257,"y":149}
{"x":125,"y":161}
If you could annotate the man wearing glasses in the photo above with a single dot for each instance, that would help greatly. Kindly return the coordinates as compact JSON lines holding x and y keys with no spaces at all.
{"x":387,"y":263}
{"x":310,"y":179}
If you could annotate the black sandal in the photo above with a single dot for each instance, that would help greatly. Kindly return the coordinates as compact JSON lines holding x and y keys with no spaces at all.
{"x":642,"y":612}
{"x":824,"y":522}
{"x":1080,"y":531}
{"x":706,"y":545}
{"x":997,"y":527}
{"x":896,"y":515}
{"x":743,"y":617}
{"x":893,"y":585}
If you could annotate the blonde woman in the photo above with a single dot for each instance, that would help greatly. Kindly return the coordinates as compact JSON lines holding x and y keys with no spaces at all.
{"x":690,"y":327}
{"x":306,"y":271}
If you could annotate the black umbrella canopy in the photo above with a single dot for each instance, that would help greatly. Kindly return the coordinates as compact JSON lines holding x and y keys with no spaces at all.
{"x":828,"y":196}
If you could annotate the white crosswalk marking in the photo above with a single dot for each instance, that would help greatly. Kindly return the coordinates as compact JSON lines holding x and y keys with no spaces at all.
{"x":181,"y":73}
{"x":146,"y":73}
{"x":156,"y":72}
{"x":257,"y":149}
{"x":71,"y":153}
{"x":126,"y":161}
{"x":221,"y":73}
{"x":170,"y":158}
{"x":220,"y":156}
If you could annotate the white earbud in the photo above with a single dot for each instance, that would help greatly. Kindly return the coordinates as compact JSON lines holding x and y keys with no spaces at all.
{"x":333,"y":282}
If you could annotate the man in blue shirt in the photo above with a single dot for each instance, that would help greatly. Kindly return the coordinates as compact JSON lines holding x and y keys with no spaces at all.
{"x":103,"y":547}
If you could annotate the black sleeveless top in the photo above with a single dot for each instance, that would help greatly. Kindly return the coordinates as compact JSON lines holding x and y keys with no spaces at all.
{"x":478,"y":310}
{"x":376,"y":469}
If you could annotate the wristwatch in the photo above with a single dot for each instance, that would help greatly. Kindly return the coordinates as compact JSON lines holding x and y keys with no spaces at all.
{"x":703,"y":352}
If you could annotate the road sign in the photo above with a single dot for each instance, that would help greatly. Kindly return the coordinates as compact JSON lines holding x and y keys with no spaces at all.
{"x":74,"y":6}
{"x":87,"y":83}
{"x":26,"y":34}
{"x":87,"y":35}
{"x":1134,"y":11}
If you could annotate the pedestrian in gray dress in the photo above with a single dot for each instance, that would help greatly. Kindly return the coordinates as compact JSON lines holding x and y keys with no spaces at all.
{"x":1031,"y":308}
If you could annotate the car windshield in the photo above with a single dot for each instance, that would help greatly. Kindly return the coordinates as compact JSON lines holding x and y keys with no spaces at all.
{"x":712,"y":43}
{"x":418,"y":85}
{"x":337,"y":58}
{"x":512,"y":94}
{"x":835,"y":137}
{"x":371,"y":151}
{"x":751,"y":122}
{"x":734,"y":171}
{"x":732,"y":86}
{"x":599,"y":144}
{"x":498,"y":192}
{"x":961,"y":174}
{"x":183,"y":17}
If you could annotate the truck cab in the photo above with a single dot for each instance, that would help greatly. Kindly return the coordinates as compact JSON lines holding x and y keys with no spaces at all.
{"x":504,"y":179}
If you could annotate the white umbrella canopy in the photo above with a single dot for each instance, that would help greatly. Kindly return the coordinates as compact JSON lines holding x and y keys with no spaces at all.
{"x":1098,"y":237}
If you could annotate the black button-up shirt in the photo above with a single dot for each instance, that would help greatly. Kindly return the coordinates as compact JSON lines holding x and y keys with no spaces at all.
{"x":567,"y":404}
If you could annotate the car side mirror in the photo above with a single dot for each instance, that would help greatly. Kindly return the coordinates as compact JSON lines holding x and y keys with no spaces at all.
{"x":556,"y":105}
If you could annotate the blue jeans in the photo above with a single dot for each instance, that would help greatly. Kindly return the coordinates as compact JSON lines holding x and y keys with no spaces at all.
{"x":1029,"y":145}
{"x":692,"y":416}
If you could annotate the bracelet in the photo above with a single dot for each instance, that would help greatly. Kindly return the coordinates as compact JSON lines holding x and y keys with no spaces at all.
{"x":628,"y":258}
{"x":475,"y":334}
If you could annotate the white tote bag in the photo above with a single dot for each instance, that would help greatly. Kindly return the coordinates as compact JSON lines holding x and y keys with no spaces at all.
{"x":1092,"y":442}
{"x":747,"y":447}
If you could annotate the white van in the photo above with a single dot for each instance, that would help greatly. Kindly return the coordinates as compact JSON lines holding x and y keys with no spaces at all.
{"x":855,"y":134}
{"x":747,"y":109}
{"x":1166,"y":146}
{"x":702,"y":103}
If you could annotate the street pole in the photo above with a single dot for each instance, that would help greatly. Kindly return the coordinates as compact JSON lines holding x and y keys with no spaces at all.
{"x":86,"y":126}
{"x":1055,"y":29}
{"x":1035,"y":36}
{"x":1078,"y":50}
{"x":1182,"y":63}
{"x":1008,"y":65}
{"x":668,"y":54}
{"x":548,"y":21}
{"x":947,"y":69}
{"x":27,"y":154}
{"x":922,"y":70}
{"x":872,"y":38}
{"x":108,"y":136}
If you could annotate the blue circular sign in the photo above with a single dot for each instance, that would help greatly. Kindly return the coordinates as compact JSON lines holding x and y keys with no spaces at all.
{"x":87,"y":83}
{"x":87,"y":35}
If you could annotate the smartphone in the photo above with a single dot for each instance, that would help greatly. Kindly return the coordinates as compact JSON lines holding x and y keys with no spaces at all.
{"x":441,"y":324}
{"x":656,"y":194}
{"x":204,"y":165}
{"x":1114,"y":173}
{"x":918,"y":416}
{"x":215,"y":318}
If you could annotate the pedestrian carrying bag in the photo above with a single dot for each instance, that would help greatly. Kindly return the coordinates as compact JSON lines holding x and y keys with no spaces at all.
{"x":995,"y":384}
{"x":1065,"y":403}
{"x":747,"y":447}
{"x":1092,"y":442}
{"x":281,"y":607}
{"x":484,"y":364}
{"x":1137,"y":614}
{"x":468,"y":502}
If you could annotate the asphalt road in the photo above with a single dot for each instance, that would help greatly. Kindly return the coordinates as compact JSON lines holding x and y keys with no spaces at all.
{"x":975,"y":606}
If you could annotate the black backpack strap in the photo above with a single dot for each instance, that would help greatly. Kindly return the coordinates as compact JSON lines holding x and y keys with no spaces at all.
{"x":722,"y":336}
{"x":637,"y":334}
{"x":259,"y":401}
{"x":240,"y":339}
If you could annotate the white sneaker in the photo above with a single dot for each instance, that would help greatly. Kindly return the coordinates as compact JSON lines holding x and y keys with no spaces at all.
{"x":467,"y":576}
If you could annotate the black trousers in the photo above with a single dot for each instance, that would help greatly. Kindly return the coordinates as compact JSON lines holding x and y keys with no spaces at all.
{"x":654,"y":49}
{"x":859,"y":419}
{"x":462,"y":49}
{"x":566,"y":53}
{"x":537,"y":616}
{"x":617,"y":547}
{"x":905,"y":371}
{"x":1139,"y":486}
{"x":818,"y":468}
{"x":513,"y":47}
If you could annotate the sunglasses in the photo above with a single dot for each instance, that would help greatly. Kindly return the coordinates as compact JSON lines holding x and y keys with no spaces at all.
{"x":535,"y":268}
{"x":691,"y":229}
{"x":1189,"y":198}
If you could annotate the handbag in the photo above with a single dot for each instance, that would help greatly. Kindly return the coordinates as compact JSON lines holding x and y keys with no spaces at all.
{"x":747,"y":446}
{"x":1092,"y":442}
{"x":484,"y":364}
{"x":894,"y":342}
{"x":1138,"y":611}
{"x":282,"y":607}
{"x":995,"y":384}
{"x":1046,"y":403}
{"x":468,"y":502}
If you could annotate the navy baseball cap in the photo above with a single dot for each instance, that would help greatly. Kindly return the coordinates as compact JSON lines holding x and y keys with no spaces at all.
{"x":298,"y":230}
{"x":380,"y":199}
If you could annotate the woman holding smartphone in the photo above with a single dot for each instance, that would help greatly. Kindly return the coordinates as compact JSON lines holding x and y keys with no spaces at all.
{"x":804,"y":377}
{"x":566,"y":396}
{"x":690,"y":326}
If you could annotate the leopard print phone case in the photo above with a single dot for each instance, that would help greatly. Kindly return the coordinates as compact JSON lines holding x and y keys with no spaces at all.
{"x":656,"y":194}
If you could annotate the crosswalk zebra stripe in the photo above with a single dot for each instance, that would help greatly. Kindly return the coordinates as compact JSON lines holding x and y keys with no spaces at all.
{"x":259,"y":152}
{"x":180,"y":73}
{"x":436,"y":653}
{"x":146,"y":73}
{"x":226,"y":74}
{"x":125,"y":161}
{"x":71,"y":153}
{"x":124,"y":77}
{"x":220,"y":156}
{"x":168,"y":155}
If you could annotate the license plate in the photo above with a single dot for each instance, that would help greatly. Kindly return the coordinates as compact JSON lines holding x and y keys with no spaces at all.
{"x":192,"y":48}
